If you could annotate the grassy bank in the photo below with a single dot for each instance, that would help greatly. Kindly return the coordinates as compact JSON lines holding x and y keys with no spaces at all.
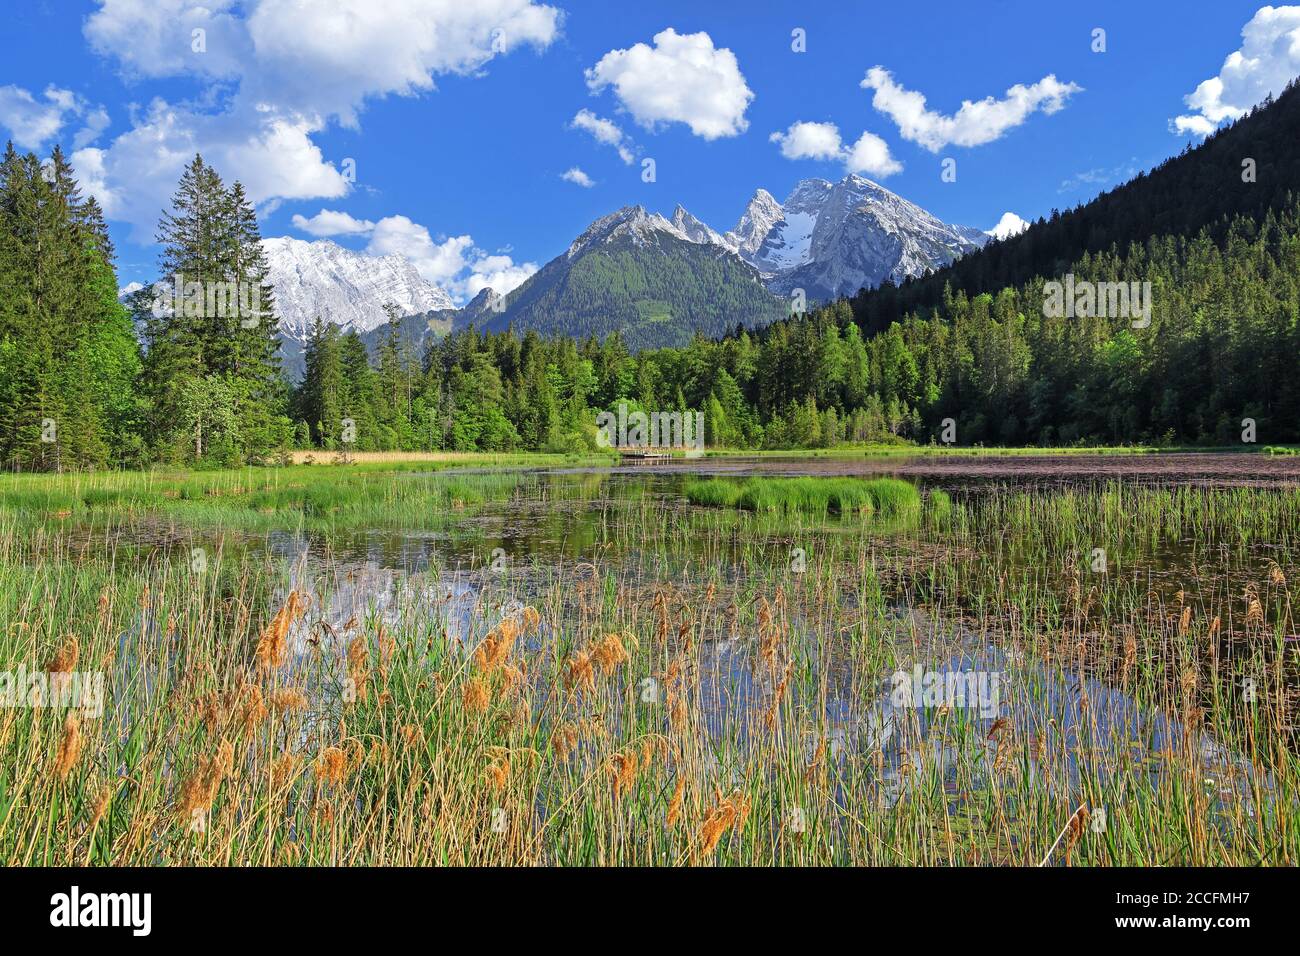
{"x":376,"y":492}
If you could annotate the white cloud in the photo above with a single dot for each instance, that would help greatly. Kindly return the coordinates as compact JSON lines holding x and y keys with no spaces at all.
{"x":577,"y":177}
{"x":1009,"y":225}
{"x":497,"y":273}
{"x":1195,"y":125}
{"x":274,"y":157}
{"x":331,"y":222}
{"x":870,"y":154}
{"x":277,"y":72}
{"x":322,"y":57}
{"x":438,"y":262}
{"x":96,"y":121}
{"x":1268,"y":59}
{"x":34,"y":122}
{"x":975,"y":123}
{"x":453,"y":263}
{"x":683,"y":78}
{"x":155,"y":38}
{"x":809,"y":141}
{"x":328,"y":55}
{"x":604,"y":131}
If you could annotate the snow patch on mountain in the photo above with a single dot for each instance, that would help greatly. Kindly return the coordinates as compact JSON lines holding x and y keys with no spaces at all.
{"x":832,"y":239}
{"x":346,"y":288}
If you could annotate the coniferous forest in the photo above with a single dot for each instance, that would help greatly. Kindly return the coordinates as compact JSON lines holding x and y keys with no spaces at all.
{"x":87,"y":382}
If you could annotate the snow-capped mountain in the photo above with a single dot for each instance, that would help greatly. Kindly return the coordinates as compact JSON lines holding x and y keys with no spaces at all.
{"x":656,"y":281}
{"x":762,"y":213}
{"x":693,"y":230}
{"x":787,"y":245}
{"x":831,"y":239}
{"x":344,"y":287}
{"x":642,"y":227}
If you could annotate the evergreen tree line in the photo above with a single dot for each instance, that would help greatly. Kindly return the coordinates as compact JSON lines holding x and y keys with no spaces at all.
{"x":189,"y":372}
{"x":1244,"y":168}
{"x":1221,"y":344}
{"x":193,"y":380}
{"x":69,"y":360}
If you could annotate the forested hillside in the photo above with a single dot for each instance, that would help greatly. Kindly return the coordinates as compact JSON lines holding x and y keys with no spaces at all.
{"x":654,"y":291}
{"x":970,"y":343}
{"x":1206,"y":187}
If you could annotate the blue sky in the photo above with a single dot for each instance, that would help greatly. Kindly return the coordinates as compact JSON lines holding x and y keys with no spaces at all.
{"x":461,"y":122}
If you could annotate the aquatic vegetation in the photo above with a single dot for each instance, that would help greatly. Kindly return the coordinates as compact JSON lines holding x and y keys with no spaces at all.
{"x":405,"y":494}
{"x":890,"y":497}
{"x":655,"y":687}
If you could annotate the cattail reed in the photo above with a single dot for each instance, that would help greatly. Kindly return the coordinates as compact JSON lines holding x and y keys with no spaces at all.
{"x":476,"y":696}
{"x":199,"y":790}
{"x":622,"y":771}
{"x":273,"y":646}
{"x":65,"y":658}
{"x":728,"y":813}
{"x":69,"y":746}
{"x":331,"y":766}
{"x":675,"y":803}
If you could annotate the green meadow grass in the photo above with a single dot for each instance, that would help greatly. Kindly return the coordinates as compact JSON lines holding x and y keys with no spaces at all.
{"x":378,"y":495}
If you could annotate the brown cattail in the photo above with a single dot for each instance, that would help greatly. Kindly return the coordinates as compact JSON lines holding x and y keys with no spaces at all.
{"x":283,"y":770}
{"x":411,"y":734}
{"x":200,"y":789}
{"x":818,"y":756}
{"x":773,"y":709}
{"x":358,"y":668}
{"x":727,"y":814}
{"x":564,"y":740}
{"x":100,"y":806}
{"x":1078,"y":824}
{"x":579,"y":674}
{"x":69,"y":746}
{"x":1254,"y":610}
{"x":331,"y":765}
{"x":288,"y":700}
{"x":496,"y":646}
{"x":475,"y":698}
{"x":358,"y":655}
{"x":273,"y":645}
{"x":253,"y":709}
{"x":498,"y":769}
{"x":610,"y":654}
{"x":675,"y":802}
{"x":65,"y":658}
{"x":622,"y":771}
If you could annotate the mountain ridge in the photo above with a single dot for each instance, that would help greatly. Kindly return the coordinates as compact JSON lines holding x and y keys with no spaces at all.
{"x":828,"y":239}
